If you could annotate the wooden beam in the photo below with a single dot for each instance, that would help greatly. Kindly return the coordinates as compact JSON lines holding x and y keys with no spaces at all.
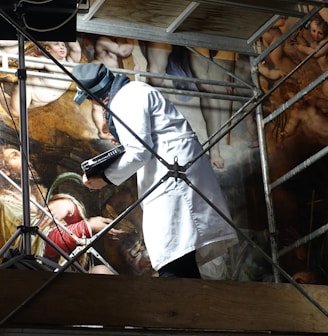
{"x":186,"y":304}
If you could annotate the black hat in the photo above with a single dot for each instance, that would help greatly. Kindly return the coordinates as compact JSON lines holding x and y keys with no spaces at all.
{"x":93,"y":76}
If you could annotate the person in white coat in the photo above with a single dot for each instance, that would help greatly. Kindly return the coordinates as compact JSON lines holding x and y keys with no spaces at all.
{"x":181,"y":230}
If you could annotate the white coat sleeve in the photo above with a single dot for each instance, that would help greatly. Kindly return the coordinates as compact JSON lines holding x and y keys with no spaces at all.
{"x":134,"y":110}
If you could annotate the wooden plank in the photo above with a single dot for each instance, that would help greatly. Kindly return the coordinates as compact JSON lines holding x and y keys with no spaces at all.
{"x":187,"y":304}
{"x":89,"y":331}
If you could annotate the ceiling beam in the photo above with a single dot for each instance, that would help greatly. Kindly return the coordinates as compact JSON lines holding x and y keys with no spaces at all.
{"x":177,"y":22}
{"x":279,"y":7}
{"x":143,"y":33}
{"x":93,"y":9}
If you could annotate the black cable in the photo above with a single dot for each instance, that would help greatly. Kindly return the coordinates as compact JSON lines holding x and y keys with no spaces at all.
{"x":70,"y":17}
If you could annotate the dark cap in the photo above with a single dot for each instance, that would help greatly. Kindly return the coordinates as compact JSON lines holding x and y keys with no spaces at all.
{"x":93,"y":76}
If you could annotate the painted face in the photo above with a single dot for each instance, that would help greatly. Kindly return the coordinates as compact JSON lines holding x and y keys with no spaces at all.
{"x":13,"y":158}
{"x":316,"y":31}
{"x":57,"y":49}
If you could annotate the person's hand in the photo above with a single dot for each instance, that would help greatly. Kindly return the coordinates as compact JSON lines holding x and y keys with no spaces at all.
{"x":94,"y":183}
{"x":98,"y":223}
{"x":59,"y":208}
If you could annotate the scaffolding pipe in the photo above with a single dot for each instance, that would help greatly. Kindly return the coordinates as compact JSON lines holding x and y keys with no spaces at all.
{"x":232,"y":75}
{"x":299,"y":168}
{"x":296,"y":97}
{"x":266,"y":182}
{"x":285,"y":36}
{"x":312,"y":235}
{"x":260,"y":126}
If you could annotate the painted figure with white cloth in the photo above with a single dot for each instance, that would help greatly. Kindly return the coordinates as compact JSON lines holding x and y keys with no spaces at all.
{"x":182,"y":231}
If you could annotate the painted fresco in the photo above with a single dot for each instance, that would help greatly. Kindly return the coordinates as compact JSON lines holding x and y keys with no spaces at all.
{"x":294,"y":136}
{"x":62,"y":134}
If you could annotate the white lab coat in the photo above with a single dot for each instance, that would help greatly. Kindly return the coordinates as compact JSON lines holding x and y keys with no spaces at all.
{"x":176,"y":220}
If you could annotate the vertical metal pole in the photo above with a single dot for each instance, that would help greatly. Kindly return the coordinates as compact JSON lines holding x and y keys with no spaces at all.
{"x":266,"y":180}
{"x":267,"y":192}
{"x":24,"y":145}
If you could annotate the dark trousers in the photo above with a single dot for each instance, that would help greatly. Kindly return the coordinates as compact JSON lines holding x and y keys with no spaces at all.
{"x":184,"y":267}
